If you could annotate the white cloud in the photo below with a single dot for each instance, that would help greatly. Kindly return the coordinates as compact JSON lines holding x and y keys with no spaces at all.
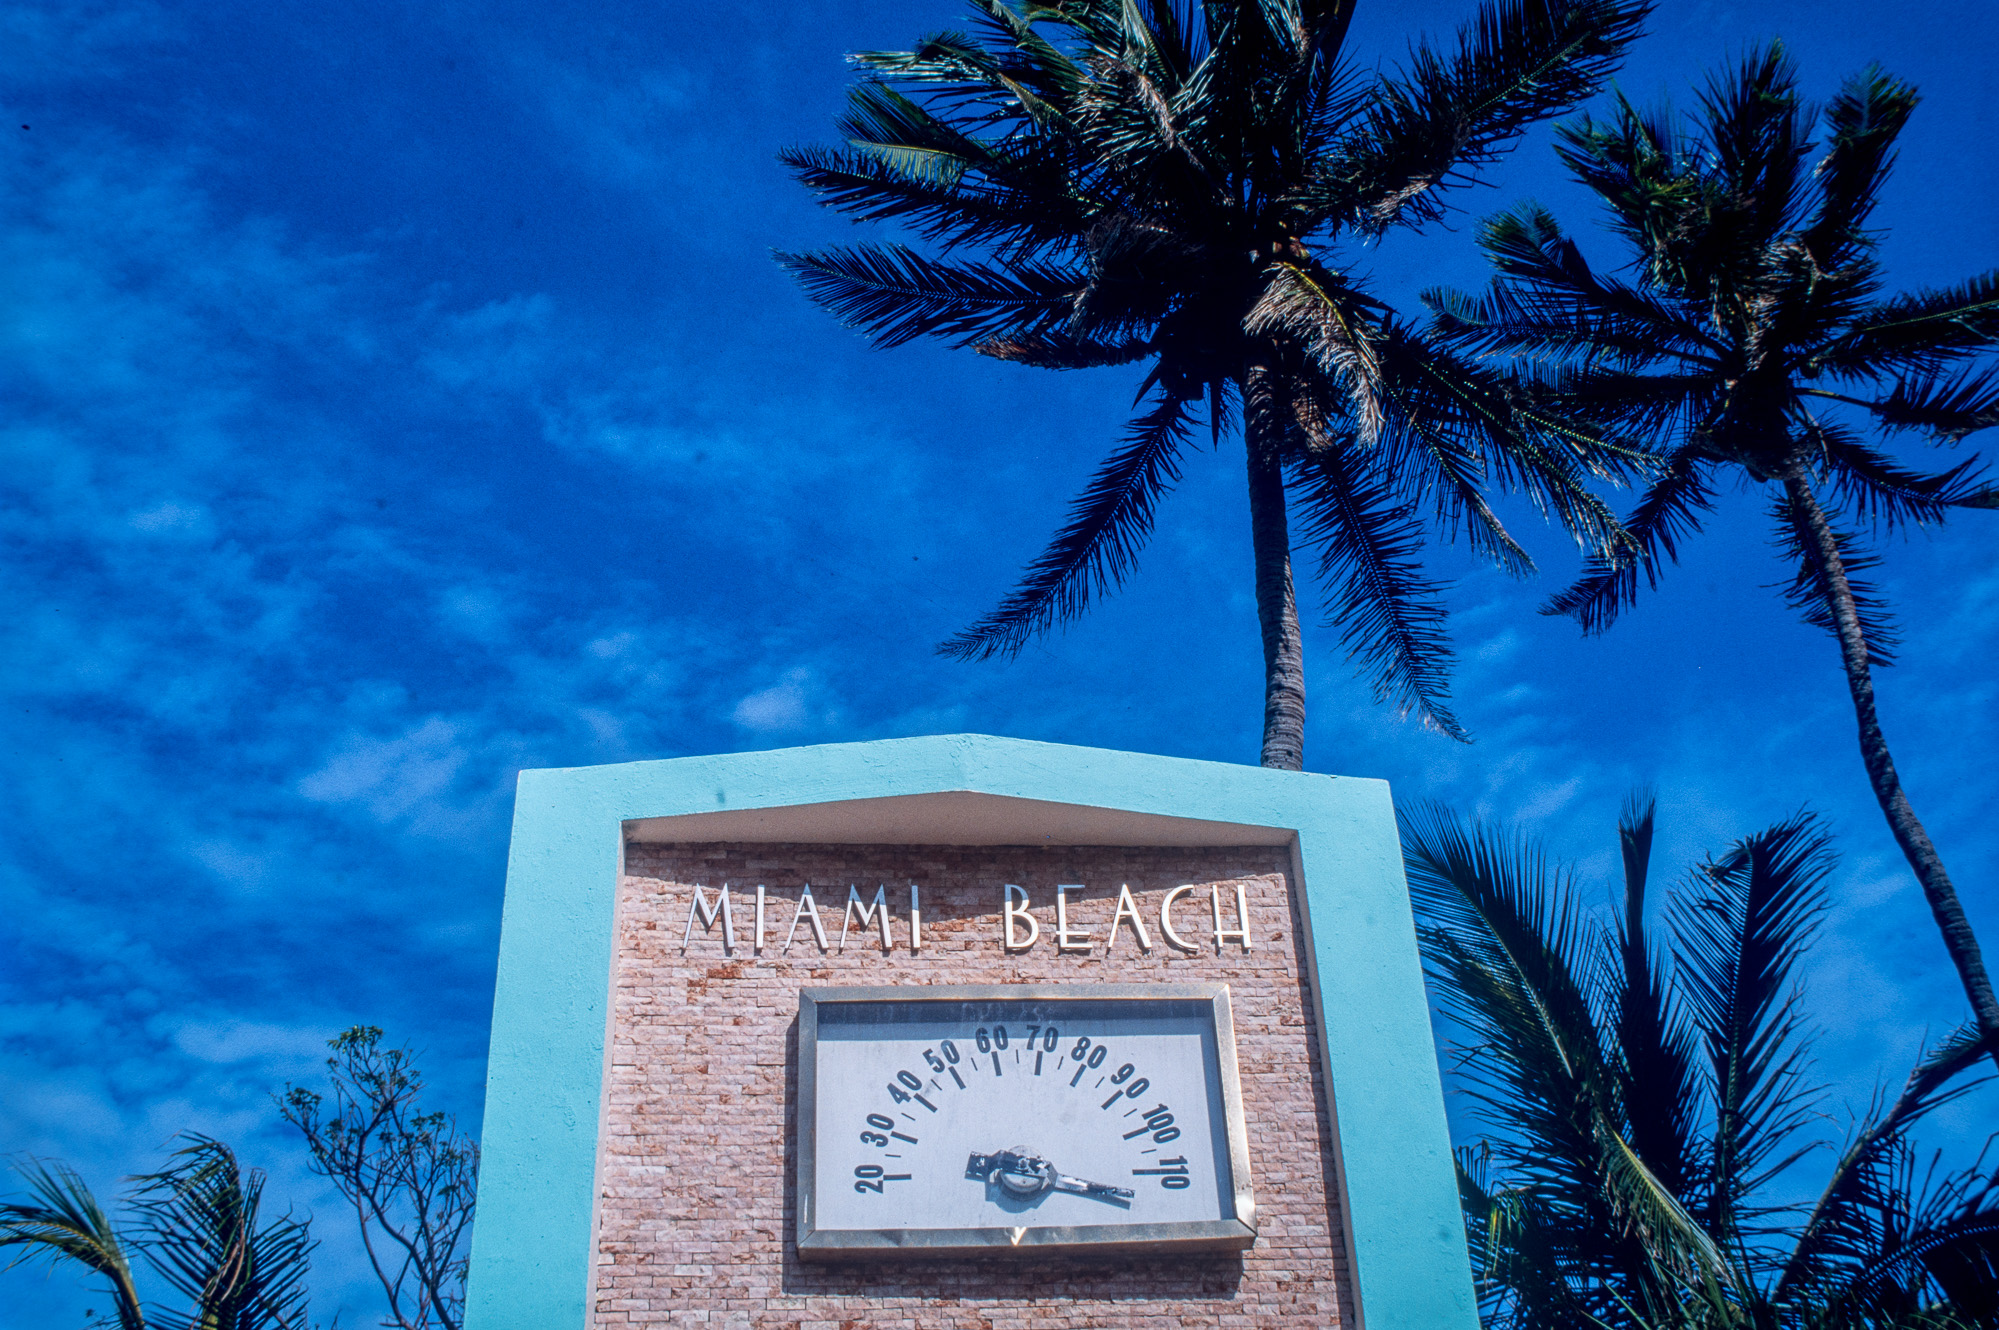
{"x":394,"y":776}
{"x":1548,"y":800}
{"x":242,"y":1041}
{"x":173,"y":518}
{"x":478,"y":611}
{"x":234,"y":863}
{"x":1499,"y":647}
{"x":500,"y":348}
{"x":779,"y":707}
{"x":50,"y":43}
{"x":619,"y":123}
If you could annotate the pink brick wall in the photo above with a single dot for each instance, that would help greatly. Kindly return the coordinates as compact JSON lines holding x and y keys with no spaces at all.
{"x":697,"y":1204}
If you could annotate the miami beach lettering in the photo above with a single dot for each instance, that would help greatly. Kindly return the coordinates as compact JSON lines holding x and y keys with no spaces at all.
{"x":870,"y":921}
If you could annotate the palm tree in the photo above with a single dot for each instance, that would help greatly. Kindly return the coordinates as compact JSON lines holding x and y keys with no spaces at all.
{"x":1147,"y":180}
{"x":1641,"y":1112}
{"x":1753,"y":339}
{"x":198,"y":1227}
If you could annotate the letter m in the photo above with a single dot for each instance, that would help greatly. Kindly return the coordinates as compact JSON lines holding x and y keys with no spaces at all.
{"x":706,"y":913}
{"x":876,"y":914}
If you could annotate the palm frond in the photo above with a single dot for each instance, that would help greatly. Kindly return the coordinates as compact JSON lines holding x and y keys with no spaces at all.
{"x":1338,"y":327}
{"x":895,"y":294}
{"x":1552,"y":327}
{"x":1514,"y":953}
{"x":1518,"y":62}
{"x":1844,"y":1234}
{"x":1642,"y":406}
{"x":1527,"y":442}
{"x":1877,"y":488}
{"x":1865,"y":118}
{"x":1660,"y":1092}
{"x":1028,"y":56}
{"x":1759,"y":136}
{"x":1550,"y":301}
{"x":1058,"y":350}
{"x":1950,"y":406}
{"x":1325,"y":23}
{"x":1520,"y":1254}
{"x":65,"y":1223}
{"x":965,"y":70}
{"x":1098,"y":547}
{"x":1570,"y":1224}
{"x":1452,"y":471}
{"x":1678,"y":1250}
{"x":1513,"y":956}
{"x":1390,"y":616}
{"x":1959,"y":1256}
{"x":1508,"y":910}
{"x":1128,"y":257}
{"x":1738,"y":945}
{"x":1809,"y":592}
{"x":883,"y":124}
{"x":206,"y":1236}
{"x":1920,"y":333}
{"x":1667,"y":516}
{"x":950,"y":212}
{"x":1433,"y":452}
{"x":1245,"y":96}
{"x":1652,"y":182}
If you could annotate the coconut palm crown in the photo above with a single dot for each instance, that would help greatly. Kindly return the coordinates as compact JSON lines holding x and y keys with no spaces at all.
{"x":1642,"y":1084}
{"x":1109,"y":182}
{"x":1754,"y":340}
{"x":199,"y":1223}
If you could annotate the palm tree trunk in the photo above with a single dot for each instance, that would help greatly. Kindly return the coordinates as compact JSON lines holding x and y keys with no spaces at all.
{"x":1276,"y":599}
{"x":1958,"y":939}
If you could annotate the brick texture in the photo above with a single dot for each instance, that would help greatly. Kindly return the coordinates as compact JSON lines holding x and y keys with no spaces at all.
{"x":696,"y":1211}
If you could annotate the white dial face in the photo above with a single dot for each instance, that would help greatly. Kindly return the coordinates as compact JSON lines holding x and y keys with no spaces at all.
{"x":1018,"y":1115}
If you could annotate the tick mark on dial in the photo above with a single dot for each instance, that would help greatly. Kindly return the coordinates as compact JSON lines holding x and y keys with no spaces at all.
{"x":1037,"y":1064}
{"x":996,"y":1066}
{"x":900,"y":1137}
{"x":956,"y":1077}
{"x":925,"y":1102}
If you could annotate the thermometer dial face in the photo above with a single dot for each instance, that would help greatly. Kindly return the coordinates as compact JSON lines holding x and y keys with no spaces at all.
{"x":941,"y":1119}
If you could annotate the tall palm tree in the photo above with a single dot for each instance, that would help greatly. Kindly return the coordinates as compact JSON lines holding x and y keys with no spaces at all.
{"x":198,"y":1226}
{"x":1754,"y":338}
{"x":1640,"y":1111}
{"x":1162,"y":181}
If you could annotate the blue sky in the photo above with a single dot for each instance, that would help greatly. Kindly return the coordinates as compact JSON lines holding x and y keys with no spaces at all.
{"x":392,"y":397}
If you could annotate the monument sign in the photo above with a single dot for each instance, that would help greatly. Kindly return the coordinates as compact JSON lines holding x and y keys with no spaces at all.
{"x":960,"y":1031}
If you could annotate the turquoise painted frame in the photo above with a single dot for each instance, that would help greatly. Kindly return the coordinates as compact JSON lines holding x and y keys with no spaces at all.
{"x":532,"y":1247}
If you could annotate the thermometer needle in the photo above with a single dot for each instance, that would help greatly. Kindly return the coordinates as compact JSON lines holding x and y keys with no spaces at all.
{"x":1025,"y":1174}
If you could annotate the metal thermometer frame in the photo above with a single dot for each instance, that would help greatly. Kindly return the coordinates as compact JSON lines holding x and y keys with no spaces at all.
{"x":1231,"y":1234}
